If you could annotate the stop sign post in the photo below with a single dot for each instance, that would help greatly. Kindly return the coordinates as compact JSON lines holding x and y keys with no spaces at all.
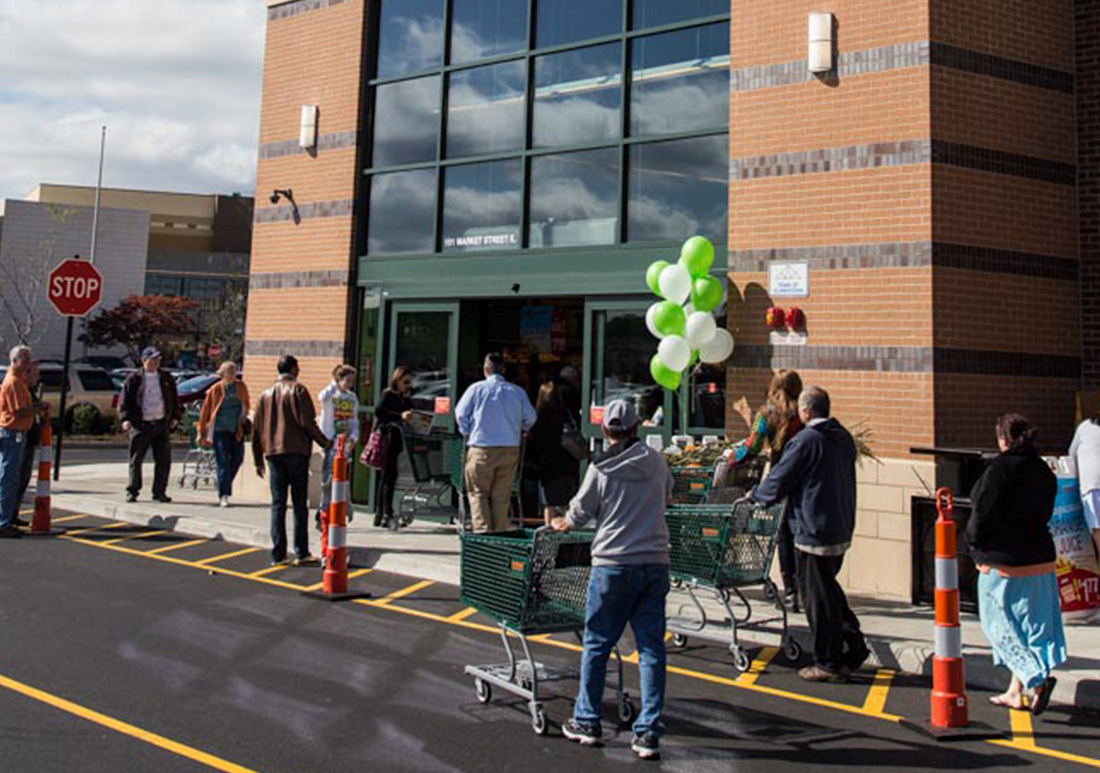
{"x":74,"y":288}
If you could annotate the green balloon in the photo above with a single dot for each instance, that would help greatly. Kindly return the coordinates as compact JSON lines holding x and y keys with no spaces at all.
{"x":653,"y":274}
{"x":663,"y":375}
{"x":669,"y":319}
{"x":696,"y":256}
{"x":694,"y":358}
{"x":706,"y":293}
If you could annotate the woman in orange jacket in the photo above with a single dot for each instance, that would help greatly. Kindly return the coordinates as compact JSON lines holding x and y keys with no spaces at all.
{"x":221,"y":425}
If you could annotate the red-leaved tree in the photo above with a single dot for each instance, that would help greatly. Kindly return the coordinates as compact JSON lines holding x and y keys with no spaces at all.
{"x":138,"y":320}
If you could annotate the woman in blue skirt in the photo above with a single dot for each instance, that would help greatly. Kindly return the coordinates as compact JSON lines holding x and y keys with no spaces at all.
{"x":1012,"y":548}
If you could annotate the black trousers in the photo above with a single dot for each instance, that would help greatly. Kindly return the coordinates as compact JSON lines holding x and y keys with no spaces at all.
{"x":837,"y":639}
{"x":150,"y":435}
{"x":289,"y":472}
{"x":387,"y":480}
{"x":784,"y":545}
{"x":30,"y":459}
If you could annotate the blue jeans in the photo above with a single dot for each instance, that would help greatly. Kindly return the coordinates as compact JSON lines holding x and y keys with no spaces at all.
{"x":618,"y":595}
{"x":11,"y":462}
{"x":228,"y":456}
{"x":326,"y":476}
{"x":289,"y":471}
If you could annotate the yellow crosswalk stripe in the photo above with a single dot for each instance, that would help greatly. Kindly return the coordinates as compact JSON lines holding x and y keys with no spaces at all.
{"x":176,"y":546}
{"x":758,"y":665}
{"x":226,"y":556}
{"x":875,"y":703}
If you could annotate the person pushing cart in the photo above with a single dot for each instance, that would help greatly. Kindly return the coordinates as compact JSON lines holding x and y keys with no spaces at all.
{"x":625,"y":491}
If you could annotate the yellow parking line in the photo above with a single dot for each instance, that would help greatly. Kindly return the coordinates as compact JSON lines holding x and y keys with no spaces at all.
{"x":402,"y":593}
{"x":117,"y":525}
{"x":457,"y":616}
{"x":143,"y":535}
{"x":176,"y":546}
{"x":27,"y":512}
{"x":1023,"y":734}
{"x":759,"y":663}
{"x":65,"y":518}
{"x":226,"y":556}
{"x":875,"y":703}
{"x":125,"y":728}
{"x":321,"y":584}
{"x":269,"y":570}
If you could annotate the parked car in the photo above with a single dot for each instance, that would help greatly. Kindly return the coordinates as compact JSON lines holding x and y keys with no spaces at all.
{"x":194,"y":389}
{"x":108,"y":362}
{"x":87,"y":386}
{"x":118,"y":375}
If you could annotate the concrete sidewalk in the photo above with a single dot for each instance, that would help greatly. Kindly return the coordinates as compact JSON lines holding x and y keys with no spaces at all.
{"x":900,"y":635}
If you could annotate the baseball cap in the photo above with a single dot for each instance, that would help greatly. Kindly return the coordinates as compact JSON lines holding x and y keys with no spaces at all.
{"x":620,"y":415}
{"x":150,"y":353}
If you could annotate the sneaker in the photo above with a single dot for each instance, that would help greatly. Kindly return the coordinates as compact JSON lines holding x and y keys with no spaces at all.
{"x":164,"y":498}
{"x":131,"y":496}
{"x":579,"y":732}
{"x":816,"y":673}
{"x":647,"y":746}
{"x":304,"y":561}
{"x":20,"y":522}
{"x":223,"y":501}
{"x":278,"y":562}
{"x":11,"y":531}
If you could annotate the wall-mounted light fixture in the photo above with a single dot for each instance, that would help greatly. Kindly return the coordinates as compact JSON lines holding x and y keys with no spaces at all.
{"x":307,"y":132}
{"x":288,"y":194}
{"x":822,"y":43}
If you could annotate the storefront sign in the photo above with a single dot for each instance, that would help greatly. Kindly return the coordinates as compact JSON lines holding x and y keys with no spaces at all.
{"x":475,"y":241}
{"x":595,"y":414}
{"x":442,"y":406}
{"x":789,"y":280}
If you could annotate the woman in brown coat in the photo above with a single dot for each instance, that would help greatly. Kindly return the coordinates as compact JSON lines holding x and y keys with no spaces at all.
{"x":221,"y":425}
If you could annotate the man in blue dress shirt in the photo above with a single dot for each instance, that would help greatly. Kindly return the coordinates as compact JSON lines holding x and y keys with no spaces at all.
{"x":493,"y":415}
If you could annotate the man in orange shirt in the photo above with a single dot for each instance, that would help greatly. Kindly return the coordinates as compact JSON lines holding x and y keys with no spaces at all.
{"x":17,"y":412}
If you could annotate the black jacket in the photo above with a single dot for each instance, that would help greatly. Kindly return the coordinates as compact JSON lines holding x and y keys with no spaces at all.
{"x":1010,"y":507}
{"x":544,"y":447}
{"x":387,"y":417}
{"x":129,"y":405}
{"x":817,"y":472}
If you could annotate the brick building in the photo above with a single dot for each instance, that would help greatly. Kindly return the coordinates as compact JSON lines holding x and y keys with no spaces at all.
{"x":493,"y":175}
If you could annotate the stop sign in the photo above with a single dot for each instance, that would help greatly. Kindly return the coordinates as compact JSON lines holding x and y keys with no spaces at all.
{"x":75,"y":287}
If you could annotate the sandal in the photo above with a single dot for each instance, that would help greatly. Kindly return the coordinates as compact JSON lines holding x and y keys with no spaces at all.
{"x":1041,"y":699}
{"x":1002,"y":700}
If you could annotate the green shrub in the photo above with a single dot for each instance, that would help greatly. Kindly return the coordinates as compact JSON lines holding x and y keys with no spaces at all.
{"x":85,"y":419}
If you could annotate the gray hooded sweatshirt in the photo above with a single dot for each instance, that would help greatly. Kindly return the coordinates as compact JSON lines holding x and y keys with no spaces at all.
{"x":625,"y":491}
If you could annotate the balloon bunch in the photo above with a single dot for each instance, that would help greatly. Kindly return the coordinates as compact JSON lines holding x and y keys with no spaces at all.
{"x":688,"y":332}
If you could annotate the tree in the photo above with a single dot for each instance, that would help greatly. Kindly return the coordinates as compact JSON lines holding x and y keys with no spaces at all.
{"x":138,"y":320}
{"x":223,"y":320}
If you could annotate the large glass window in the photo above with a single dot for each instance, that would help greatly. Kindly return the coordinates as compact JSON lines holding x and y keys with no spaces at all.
{"x":574,"y":198}
{"x":578,"y":96}
{"x":678,"y":189}
{"x":410,"y":36}
{"x":484,"y":28}
{"x":402,"y":212}
{"x":564,"y":21}
{"x":421,"y":346}
{"x":482,"y":206}
{"x":654,"y":13}
{"x":406,"y":121}
{"x":680,"y":81}
{"x":621,"y":367}
{"x":485,"y":110}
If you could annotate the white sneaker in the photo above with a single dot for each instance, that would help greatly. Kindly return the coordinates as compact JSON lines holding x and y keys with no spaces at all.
{"x":223,"y":501}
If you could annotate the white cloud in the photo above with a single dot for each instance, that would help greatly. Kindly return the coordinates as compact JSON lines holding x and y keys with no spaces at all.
{"x":177,"y":82}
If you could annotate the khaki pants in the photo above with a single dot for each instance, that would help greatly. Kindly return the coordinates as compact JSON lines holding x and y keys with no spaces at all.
{"x":489,"y":476}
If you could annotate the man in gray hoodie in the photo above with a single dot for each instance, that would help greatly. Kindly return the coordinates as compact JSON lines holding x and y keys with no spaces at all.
{"x":625,"y":492}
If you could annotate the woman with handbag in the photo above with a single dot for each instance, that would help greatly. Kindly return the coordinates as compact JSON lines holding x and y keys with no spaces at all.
{"x":387,"y":441}
{"x":552,"y":445}
{"x":222,"y":425}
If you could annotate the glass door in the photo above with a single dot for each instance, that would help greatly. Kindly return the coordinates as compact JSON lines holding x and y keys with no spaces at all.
{"x":617,"y":351}
{"x":424,"y":338}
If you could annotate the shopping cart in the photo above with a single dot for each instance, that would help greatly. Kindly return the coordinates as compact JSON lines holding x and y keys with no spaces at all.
{"x":198,"y":462}
{"x":531,"y":582}
{"x":434,"y":485}
{"x":724,"y":549}
{"x":691,"y":484}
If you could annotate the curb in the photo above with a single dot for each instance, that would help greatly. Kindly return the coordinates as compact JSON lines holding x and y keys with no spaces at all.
{"x":906,"y":656}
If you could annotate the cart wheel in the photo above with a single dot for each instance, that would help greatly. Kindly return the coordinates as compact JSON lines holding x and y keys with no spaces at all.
{"x":626,"y":710}
{"x":395,"y":522}
{"x":792,"y":650}
{"x":740,"y":658}
{"x":679,"y":640}
{"x":677,"y":583}
{"x":769,"y":592}
{"x":539,"y":722}
{"x":484,"y":691}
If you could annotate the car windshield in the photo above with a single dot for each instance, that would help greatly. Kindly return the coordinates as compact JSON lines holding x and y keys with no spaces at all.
{"x":96,"y":381}
{"x":197,"y":383}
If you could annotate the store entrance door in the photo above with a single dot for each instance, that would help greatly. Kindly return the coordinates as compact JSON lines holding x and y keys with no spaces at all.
{"x":424,"y":338}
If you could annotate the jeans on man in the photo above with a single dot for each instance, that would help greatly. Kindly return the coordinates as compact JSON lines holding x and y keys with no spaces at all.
{"x":618,"y":595}
{"x":289,"y":472}
{"x":228,"y":457}
{"x":836,"y":634}
{"x":146,"y":435}
{"x":11,"y":461}
{"x":30,"y":460}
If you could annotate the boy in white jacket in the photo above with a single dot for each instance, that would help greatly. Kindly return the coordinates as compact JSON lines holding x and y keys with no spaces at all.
{"x":339,"y":416}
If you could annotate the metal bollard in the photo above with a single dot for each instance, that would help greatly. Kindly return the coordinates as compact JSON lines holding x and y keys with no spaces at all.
{"x":949,"y":704}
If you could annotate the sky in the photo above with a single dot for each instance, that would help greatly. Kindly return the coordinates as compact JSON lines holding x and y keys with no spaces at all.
{"x":176,"y":82}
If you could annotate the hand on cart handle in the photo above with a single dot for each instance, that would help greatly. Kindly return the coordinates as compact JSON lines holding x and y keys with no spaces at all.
{"x":560,"y":524}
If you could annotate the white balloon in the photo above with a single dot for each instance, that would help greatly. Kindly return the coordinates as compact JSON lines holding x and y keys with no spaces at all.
{"x":675,"y":283}
{"x":649,"y":323}
{"x":689,"y":309}
{"x":718,"y":349}
{"x":674,"y":352}
{"x":700,"y":329}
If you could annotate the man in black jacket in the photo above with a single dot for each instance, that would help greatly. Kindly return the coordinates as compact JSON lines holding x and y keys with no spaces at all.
{"x":150,"y":411}
{"x":817,"y":472}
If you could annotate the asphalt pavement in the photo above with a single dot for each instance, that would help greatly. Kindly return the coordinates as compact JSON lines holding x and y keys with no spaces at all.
{"x":126,"y":648}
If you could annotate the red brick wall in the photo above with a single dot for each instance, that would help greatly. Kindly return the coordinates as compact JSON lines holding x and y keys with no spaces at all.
{"x":1088,"y":151}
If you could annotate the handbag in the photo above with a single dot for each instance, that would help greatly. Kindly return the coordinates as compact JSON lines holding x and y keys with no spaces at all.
{"x":573,"y":441}
{"x":377,"y":450}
